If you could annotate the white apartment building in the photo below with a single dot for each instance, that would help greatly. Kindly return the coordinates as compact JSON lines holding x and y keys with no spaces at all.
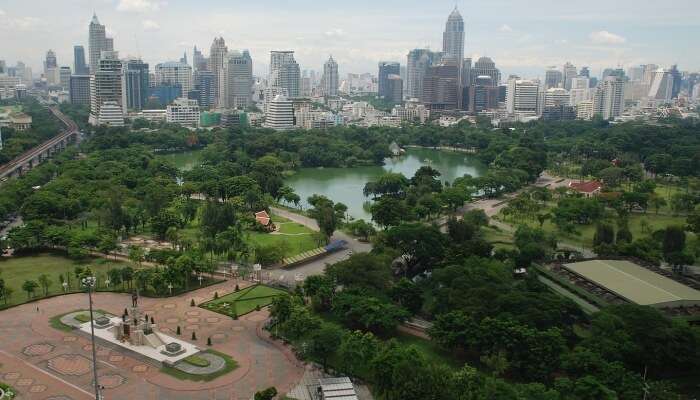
{"x":522,"y":96}
{"x":111,"y":114}
{"x":280,"y":114}
{"x":584,"y":110}
{"x":609,"y":98}
{"x":556,"y":97}
{"x":107,"y":85}
{"x":184,"y":112}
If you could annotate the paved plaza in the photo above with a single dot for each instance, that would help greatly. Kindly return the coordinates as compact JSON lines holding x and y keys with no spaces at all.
{"x":44,"y":363}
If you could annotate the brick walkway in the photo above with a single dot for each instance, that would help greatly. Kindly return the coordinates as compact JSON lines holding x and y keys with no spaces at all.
{"x":41,"y":362}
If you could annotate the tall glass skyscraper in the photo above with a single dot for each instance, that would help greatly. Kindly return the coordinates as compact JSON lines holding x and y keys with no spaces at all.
{"x":453,"y":37}
{"x":137,"y":84}
{"x":79,"y":66}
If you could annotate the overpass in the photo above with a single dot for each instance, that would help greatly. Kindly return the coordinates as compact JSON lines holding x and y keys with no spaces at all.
{"x":35,"y":156}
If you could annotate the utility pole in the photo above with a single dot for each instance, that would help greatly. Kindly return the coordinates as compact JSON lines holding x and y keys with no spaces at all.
{"x":89,"y":283}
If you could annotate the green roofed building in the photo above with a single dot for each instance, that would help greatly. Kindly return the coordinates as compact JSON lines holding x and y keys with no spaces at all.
{"x":636,"y":284}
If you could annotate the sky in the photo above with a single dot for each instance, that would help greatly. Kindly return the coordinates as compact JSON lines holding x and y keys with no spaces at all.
{"x":522,"y":36}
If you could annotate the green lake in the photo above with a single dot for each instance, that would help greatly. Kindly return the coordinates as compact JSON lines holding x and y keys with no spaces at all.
{"x":345,"y":184}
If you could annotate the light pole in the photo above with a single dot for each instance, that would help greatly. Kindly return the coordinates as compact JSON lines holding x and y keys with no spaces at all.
{"x":89,"y":283}
{"x":170,"y":286}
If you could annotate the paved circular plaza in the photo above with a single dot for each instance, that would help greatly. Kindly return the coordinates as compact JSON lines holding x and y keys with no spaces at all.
{"x":43,"y":363}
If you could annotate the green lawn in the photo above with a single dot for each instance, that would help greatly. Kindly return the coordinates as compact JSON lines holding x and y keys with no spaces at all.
{"x":429,"y":349}
{"x":636,"y":224}
{"x":197,"y":361}
{"x":15,"y":270}
{"x":244,"y":301}
{"x":292,"y":244}
{"x":231,"y":364}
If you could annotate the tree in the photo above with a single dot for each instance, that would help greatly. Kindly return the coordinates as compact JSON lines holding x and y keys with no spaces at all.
{"x":388,"y":211}
{"x":327,"y":214}
{"x":45,"y":283}
{"x":389,"y":184}
{"x":362,"y":229}
{"x":356,"y":351}
{"x":604,"y":235}
{"x":267,"y":394}
{"x":29,"y":286}
{"x":281,"y":308}
{"x":324,"y":343}
{"x":367,"y":313}
{"x":137,"y":255}
{"x":407,"y":295}
{"x":673,"y":240}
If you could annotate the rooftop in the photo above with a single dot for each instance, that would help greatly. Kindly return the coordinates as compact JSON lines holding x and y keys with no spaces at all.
{"x":586,"y":187}
{"x":635,"y":283}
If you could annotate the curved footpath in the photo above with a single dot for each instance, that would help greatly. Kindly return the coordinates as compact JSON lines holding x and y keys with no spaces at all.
{"x":315,"y":267}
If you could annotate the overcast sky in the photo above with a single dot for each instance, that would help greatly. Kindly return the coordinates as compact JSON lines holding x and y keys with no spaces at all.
{"x":522,"y":36}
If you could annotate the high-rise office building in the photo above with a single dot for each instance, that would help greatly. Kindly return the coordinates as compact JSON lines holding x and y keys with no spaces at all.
{"x":204,"y":88}
{"x":238,"y":80}
{"x":51,"y":72}
{"x":199,"y":62}
{"x":64,"y":74}
{"x":522,"y":96}
{"x":649,"y":73}
{"x":608,"y":101}
{"x":50,"y":61}
{"x":482,"y":95}
{"x":386,"y":68}
{"x":662,"y":85}
{"x":552,"y":78}
{"x":453,"y":37}
{"x":79,"y":66}
{"x":330,"y":80}
{"x":79,"y":91}
{"x":280,"y":114}
{"x":107,"y":88}
{"x":556,"y":97}
{"x":217,"y":57}
{"x":394,"y":89}
{"x":585,"y":71}
{"x":417,"y":63}
{"x":486,"y":66}
{"x":137,"y":84}
{"x":677,"y":81}
{"x":175,"y":73}
{"x":98,"y":42}
{"x":441,"y":87}
{"x":3,"y":67}
{"x":580,"y":90}
{"x":568,"y":73}
{"x":636,"y":73}
{"x":285,"y":73}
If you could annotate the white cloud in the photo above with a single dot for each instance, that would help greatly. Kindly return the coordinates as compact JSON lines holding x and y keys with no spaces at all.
{"x":605,"y":37}
{"x":505,"y":28}
{"x":337,"y":32}
{"x":139,"y":5}
{"x":2,"y":12}
{"x":150,"y":25}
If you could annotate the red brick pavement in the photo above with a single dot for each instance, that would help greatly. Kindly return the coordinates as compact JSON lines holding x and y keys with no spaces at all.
{"x":262,"y":362}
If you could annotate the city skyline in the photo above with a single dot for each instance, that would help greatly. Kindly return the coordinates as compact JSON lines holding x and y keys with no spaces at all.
{"x":520,"y":39}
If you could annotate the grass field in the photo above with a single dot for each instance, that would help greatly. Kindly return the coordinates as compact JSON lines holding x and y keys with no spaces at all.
{"x":296,"y":238}
{"x":244,"y":301}
{"x":15,"y":270}
{"x":231,"y":364}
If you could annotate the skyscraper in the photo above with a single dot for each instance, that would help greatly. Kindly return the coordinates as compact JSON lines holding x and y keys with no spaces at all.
{"x":238,"y":80}
{"x":552,"y":78}
{"x":217,"y":56}
{"x":80,"y":89}
{"x":136,"y":84}
{"x":50,"y":61}
{"x":394,"y":89}
{"x":107,"y":90}
{"x":441,"y":86}
{"x":453,"y":37}
{"x":285,"y":73}
{"x":522,"y":96}
{"x":569,"y":72}
{"x":386,"y":68}
{"x":486,"y":66}
{"x":609,"y":98}
{"x":330,"y":78}
{"x":79,"y":66}
{"x":417,"y":63}
{"x":204,"y":87}
{"x":662,"y":86}
{"x":199,"y":62}
{"x":677,"y":81}
{"x":175,"y":73}
{"x":64,"y":74}
{"x":98,"y":42}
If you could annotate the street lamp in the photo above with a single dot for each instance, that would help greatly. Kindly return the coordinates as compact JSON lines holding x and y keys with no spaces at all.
{"x":170,"y":286}
{"x":199,"y":278}
{"x":89,"y":282}
{"x":65,"y":286}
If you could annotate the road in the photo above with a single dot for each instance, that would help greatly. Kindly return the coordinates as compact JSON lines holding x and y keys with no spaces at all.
{"x":315,"y":267}
{"x":71,"y":129}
